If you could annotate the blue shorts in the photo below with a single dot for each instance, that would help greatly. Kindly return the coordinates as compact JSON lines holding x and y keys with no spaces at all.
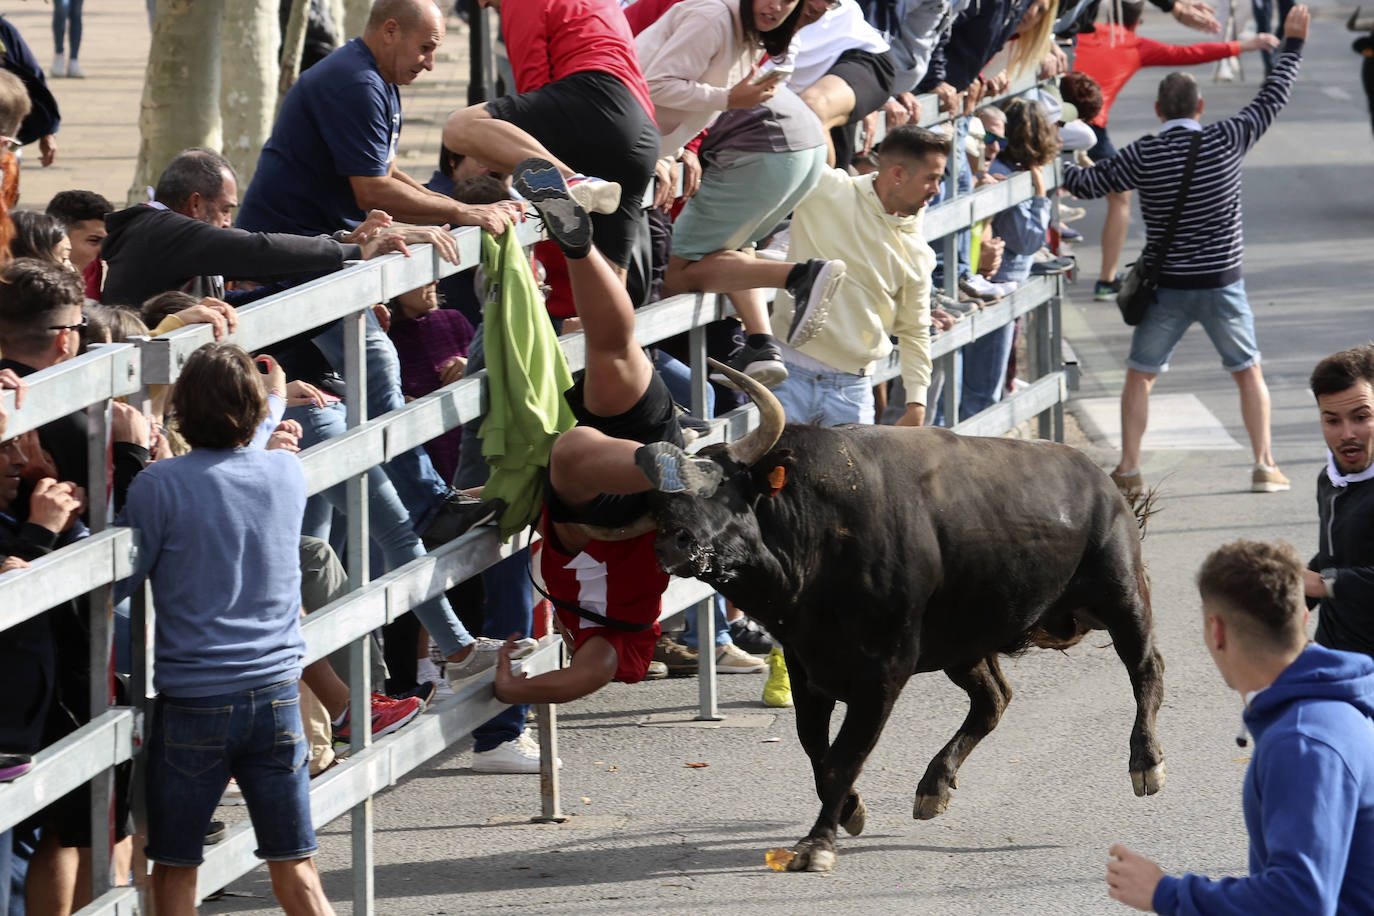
{"x":1223,"y":313}
{"x":195,"y":745}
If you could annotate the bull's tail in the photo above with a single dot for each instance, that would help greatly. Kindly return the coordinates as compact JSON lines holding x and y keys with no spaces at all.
{"x":1142,"y":505}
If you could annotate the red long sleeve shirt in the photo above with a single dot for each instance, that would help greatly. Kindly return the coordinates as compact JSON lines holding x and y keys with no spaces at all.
{"x":550,"y":39}
{"x":1113,"y":54}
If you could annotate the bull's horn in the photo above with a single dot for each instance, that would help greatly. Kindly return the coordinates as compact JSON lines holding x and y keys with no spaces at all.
{"x":756,"y":443}
{"x":1356,"y":24}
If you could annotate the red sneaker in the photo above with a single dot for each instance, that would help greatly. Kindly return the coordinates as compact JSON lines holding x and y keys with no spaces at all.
{"x":387,"y":716}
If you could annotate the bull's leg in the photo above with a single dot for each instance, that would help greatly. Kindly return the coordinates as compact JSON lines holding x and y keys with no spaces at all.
{"x":813,"y":713}
{"x":1128,"y":620}
{"x":865,"y":714}
{"x":988,"y":694}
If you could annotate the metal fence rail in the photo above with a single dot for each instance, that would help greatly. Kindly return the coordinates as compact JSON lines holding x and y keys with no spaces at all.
{"x":125,"y":370}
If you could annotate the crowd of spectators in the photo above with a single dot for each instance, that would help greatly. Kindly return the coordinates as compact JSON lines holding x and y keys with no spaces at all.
{"x":751,"y":125}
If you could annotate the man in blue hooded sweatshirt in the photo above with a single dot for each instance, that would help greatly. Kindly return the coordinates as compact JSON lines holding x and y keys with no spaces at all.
{"x":1309,"y":789}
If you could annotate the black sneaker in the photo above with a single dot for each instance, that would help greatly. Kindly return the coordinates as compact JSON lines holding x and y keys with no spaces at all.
{"x":751,"y":637}
{"x":458,"y":515}
{"x":811,"y":297}
{"x":214,"y":833}
{"x":671,"y":470}
{"x":539,"y":182}
{"x":1106,"y":292}
{"x":423,"y":692}
{"x":762,"y":364}
{"x":1050,"y":266}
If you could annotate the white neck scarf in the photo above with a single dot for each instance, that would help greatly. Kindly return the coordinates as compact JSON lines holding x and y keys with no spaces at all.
{"x":1338,"y":479}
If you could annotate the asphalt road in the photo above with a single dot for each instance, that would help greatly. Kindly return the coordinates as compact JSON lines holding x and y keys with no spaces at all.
{"x":1043,"y":797}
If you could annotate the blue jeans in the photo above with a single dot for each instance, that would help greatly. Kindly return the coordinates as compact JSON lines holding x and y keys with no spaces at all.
{"x":388,"y":522}
{"x":722,"y":626}
{"x":825,"y":398}
{"x":677,"y":376}
{"x":1224,"y":314}
{"x":985,"y":370}
{"x":508,"y":608}
{"x":1264,"y":22}
{"x":64,"y":11}
{"x":196,"y":743}
{"x":412,"y":473}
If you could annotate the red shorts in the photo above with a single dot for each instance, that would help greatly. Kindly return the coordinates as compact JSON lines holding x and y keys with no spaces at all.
{"x":617,"y":579}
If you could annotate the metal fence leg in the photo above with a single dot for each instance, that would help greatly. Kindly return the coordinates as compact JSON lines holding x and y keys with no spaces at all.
{"x":696,"y":343}
{"x":360,"y":675}
{"x":551,"y":811}
{"x":709,"y":711}
{"x":98,"y":658}
{"x":1056,"y":350}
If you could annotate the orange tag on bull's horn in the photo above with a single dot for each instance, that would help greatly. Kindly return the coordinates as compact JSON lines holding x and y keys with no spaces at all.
{"x":777,"y":477}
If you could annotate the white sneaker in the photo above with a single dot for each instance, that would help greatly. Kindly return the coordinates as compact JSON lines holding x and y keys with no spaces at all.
{"x":731,"y":659}
{"x":482,"y":657}
{"x":428,"y":672}
{"x":519,"y":755}
{"x":529,"y":742}
{"x":595,"y":194}
{"x":74,"y":70}
{"x":59,"y":66}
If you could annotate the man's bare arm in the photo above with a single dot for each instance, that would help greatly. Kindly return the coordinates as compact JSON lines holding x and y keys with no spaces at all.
{"x":413,"y":204}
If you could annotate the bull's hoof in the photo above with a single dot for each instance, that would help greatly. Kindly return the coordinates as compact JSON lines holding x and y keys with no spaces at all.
{"x":1148,"y":782}
{"x":809,"y":858}
{"x":854,"y":824}
{"x":929,"y":806}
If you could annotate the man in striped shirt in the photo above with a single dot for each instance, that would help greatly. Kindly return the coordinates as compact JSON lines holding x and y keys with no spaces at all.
{"x":1200,"y":277}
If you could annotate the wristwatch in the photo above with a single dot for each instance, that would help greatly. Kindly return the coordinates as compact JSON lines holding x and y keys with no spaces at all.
{"x":1329,"y":580}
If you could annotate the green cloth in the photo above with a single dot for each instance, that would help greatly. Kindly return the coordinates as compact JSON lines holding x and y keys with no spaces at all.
{"x":526,"y":378}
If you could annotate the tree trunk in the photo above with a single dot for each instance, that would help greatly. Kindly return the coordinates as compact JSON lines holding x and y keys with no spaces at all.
{"x":248,"y":81}
{"x":354,"y":17}
{"x":293,"y":44}
{"x":180,"y":106}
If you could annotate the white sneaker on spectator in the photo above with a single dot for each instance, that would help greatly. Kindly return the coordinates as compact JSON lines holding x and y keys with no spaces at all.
{"x":731,"y":659}
{"x":519,"y":755}
{"x":428,"y":672}
{"x":596,"y":195}
{"x":74,"y":70}
{"x":59,"y":65}
{"x":482,"y":657}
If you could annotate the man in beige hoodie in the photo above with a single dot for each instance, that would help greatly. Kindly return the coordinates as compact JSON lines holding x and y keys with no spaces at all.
{"x":873,"y":223}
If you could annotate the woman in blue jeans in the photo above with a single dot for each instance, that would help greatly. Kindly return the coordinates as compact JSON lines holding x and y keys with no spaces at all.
{"x":65,"y":13}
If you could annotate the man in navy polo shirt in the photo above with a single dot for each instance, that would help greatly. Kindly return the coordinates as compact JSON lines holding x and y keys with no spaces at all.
{"x":332,"y":158}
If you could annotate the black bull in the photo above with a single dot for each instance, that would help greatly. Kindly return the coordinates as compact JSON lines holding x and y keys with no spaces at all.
{"x":876,"y":553}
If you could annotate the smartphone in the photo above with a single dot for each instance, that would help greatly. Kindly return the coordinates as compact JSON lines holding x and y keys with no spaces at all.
{"x":780,"y":72}
{"x":264,"y":364}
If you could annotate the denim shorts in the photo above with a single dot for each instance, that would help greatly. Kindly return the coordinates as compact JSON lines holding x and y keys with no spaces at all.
{"x":195,"y":745}
{"x":1223,"y":313}
{"x":825,"y":398}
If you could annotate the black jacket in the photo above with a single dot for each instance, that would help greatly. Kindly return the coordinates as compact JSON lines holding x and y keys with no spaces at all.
{"x":1346,"y":544}
{"x":27,"y":652}
{"x":150,"y":250}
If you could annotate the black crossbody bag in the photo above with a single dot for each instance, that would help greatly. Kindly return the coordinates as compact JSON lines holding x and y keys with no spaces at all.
{"x":1141,"y":283}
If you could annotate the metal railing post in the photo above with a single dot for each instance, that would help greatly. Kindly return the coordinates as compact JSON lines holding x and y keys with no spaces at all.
{"x":550,"y":811}
{"x":481,"y":66}
{"x":98,"y":660}
{"x":360,"y":674}
{"x":696,"y":343}
{"x":709,"y":711}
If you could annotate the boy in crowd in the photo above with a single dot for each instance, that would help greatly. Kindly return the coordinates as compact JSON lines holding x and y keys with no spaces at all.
{"x":219,"y":533}
{"x":83,"y":214}
{"x":1309,"y":789}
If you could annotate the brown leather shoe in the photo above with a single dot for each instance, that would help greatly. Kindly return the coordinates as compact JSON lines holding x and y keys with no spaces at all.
{"x":680,"y":660}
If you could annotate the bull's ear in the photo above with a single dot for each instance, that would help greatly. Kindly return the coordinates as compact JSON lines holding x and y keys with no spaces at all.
{"x":770,"y":472}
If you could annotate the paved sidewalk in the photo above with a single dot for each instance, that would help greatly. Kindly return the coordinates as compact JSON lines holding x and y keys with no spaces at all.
{"x":98,"y":140}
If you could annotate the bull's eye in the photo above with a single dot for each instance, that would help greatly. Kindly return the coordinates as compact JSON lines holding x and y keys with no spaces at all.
{"x":684,"y":539}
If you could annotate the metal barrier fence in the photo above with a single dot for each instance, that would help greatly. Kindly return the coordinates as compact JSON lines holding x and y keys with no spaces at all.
{"x":91,"y":565}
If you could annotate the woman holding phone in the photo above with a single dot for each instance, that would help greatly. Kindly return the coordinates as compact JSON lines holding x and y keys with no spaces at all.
{"x":704,"y":57}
